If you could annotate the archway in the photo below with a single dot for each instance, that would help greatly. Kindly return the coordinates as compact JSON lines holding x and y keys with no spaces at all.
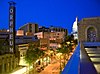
{"x":91,"y":34}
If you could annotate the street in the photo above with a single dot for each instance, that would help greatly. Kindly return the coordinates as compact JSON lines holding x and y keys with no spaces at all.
{"x":53,"y":68}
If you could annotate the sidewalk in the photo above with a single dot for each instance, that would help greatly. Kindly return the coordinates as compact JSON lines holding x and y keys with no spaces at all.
{"x":20,"y":69}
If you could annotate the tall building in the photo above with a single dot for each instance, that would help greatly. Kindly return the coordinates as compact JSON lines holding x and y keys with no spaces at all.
{"x":52,"y":29}
{"x":75,"y":29}
{"x":29,"y":29}
{"x":43,"y":29}
{"x":55,"y":38}
{"x":20,"y":33}
{"x":57,"y":29}
{"x":50,"y":35}
{"x":9,"y":59}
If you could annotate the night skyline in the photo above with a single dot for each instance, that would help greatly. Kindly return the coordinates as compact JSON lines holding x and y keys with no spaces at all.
{"x":61,"y":13}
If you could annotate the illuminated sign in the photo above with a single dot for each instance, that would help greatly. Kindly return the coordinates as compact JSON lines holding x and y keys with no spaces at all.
{"x":12,"y":27}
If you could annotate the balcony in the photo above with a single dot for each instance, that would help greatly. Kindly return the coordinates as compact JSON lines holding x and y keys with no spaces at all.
{"x":72,"y":66}
{"x":85,"y":60}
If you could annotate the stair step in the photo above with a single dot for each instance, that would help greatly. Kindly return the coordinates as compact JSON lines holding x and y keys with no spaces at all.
{"x":97,"y":66}
{"x":93,"y":55}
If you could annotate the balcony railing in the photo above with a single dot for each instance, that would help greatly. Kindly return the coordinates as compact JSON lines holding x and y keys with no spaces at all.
{"x":91,"y":43}
{"x":73,"y":64}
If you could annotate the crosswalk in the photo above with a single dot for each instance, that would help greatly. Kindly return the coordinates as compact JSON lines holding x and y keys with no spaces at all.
{"x":94,"y":54}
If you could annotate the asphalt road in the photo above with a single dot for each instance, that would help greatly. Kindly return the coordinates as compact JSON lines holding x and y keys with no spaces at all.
{"x":52,"y":68}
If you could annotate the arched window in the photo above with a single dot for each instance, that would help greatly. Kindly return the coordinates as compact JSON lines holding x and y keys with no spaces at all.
{"x":91,"y":34}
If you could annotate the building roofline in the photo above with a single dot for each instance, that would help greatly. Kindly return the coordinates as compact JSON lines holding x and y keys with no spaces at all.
{"x":89,"y":18}
{"x":26,"y":24}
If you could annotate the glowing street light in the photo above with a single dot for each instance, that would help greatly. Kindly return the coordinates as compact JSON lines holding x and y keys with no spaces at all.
{"x":68,"y":42}
{"x":59,"y":45}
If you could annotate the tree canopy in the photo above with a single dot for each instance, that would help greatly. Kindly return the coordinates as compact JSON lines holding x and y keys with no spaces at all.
{"x":32,"y":54}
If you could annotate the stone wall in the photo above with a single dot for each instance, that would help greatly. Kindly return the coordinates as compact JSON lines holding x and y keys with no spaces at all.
{"x":84,"y":24}
{"x":8,"y":62}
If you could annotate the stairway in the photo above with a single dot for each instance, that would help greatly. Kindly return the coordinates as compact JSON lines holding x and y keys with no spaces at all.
{"x":94,"y":55}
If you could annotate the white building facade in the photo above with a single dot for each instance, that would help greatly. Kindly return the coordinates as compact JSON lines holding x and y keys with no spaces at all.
{"x":75,"y":29}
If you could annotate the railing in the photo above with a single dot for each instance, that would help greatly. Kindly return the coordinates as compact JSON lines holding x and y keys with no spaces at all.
{"x":91,"y":43}
{"x":73,"y":64}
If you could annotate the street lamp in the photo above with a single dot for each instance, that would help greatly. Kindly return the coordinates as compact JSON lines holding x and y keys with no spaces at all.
{"x":59,"y":45}
{"x":68,"y":42}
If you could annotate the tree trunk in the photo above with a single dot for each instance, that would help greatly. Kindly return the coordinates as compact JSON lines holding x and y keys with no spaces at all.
{"x":29,"y":69}
{"x":33,"y":68}
{"x":60,"y":65}
{"x":64,"y":59}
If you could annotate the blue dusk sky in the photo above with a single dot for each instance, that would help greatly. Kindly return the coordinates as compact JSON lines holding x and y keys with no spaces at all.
{"x":61,"y":13}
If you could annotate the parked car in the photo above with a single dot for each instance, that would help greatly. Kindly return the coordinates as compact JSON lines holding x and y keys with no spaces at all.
{"x":39,"y":68}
